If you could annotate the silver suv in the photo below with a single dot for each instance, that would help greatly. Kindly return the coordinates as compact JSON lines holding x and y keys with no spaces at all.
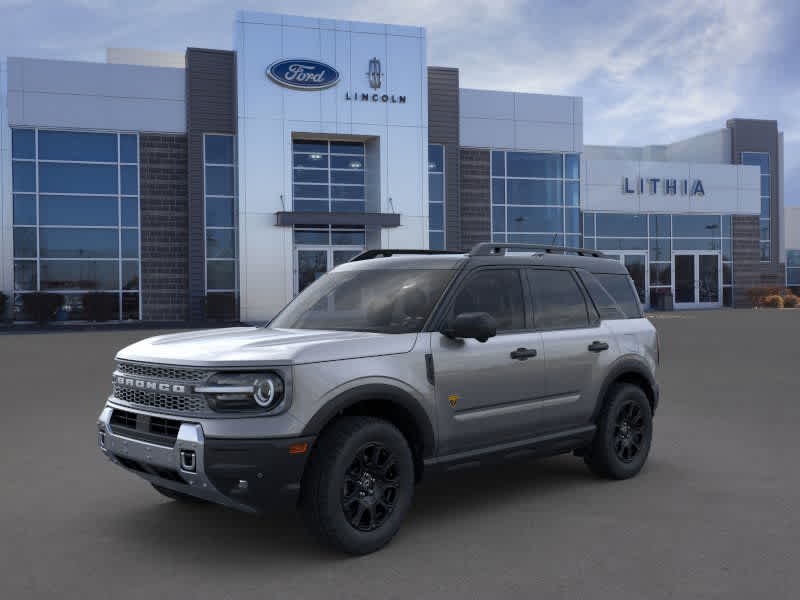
{"x":392,"y":366}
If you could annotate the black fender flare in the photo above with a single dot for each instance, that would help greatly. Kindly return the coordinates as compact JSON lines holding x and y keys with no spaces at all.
{"x":382,"y":393}
{"x":622,"y":367}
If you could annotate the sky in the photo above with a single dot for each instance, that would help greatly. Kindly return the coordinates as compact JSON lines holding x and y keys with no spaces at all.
{"x":649,"y":72}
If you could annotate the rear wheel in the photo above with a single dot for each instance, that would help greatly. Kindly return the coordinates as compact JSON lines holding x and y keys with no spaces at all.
{"x":358,"y":485}
{"x":179,"y":496}
{"x":624,"y":433}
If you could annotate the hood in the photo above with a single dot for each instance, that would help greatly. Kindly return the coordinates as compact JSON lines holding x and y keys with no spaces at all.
{"x":243,"y":346}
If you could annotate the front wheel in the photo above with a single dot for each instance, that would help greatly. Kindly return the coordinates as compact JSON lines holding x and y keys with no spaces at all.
{"x":358,"y":485}
{"x":624,"y":433}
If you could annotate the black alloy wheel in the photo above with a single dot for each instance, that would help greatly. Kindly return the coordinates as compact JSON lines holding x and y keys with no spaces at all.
{"x":624,"y":432}
{"x":370,"y":487}
{"x":629,"y":431}
{"x":358,"y":484}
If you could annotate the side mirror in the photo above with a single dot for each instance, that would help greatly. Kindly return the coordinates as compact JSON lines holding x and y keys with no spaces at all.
{"x":478,"y":325}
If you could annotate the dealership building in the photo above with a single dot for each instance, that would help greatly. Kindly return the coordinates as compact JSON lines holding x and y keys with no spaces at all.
{"x":217,"y":184}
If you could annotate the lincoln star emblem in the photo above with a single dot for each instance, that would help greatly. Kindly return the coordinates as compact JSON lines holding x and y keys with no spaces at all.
{"x":374,"y":74}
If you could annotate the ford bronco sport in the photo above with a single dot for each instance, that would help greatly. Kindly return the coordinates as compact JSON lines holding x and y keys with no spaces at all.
{"x":391,"y":366}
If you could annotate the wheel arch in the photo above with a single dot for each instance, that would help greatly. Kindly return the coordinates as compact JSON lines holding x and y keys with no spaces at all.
{"x":628,"y":370}
{"x":387,"y":402}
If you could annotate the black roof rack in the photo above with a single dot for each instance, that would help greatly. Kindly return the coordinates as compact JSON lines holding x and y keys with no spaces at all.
{"x":491,"y":249}
{"x":375,"y":252}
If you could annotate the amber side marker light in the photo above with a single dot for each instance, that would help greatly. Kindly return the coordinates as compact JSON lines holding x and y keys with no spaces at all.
{"x":298,"y":448}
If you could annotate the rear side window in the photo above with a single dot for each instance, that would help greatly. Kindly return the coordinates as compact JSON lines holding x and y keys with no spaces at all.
{"x":606,"y":305}
{"x":558,"y":302}
{"x":621,"y":289}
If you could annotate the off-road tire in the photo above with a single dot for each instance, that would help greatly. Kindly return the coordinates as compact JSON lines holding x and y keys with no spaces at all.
{"x":342,"y":479}
{"x":178,"y":496}
{"x":621,"y":444}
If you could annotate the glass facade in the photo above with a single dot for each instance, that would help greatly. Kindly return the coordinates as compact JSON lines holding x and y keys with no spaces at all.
{"x":658,"y":236}
{"x":535,"y":198}
{"x":436,"y":197}
{"x":793,"y":269}
{"x":222,"y":277}
{"x":328,"y":176}
{"x":76,"y":219}
{"x":761,"y":160}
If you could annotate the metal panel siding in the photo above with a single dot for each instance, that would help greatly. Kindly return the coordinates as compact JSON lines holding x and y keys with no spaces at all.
{"x":753,"y":135}
{"x":443,"y":128}
{"x":210,"y":108}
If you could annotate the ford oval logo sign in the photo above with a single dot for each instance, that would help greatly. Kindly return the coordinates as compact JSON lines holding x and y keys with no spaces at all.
{"x":303,"y":74}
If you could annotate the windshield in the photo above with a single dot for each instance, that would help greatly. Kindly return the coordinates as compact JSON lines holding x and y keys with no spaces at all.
{"x":380,"y":301}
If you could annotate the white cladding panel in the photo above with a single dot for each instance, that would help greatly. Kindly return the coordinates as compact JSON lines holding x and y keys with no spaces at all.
{"x":520,"y":121}
{"x":82,"y":95}
{"x":791,"y":220}
{"x":270,"y":115}
{"x":728,"y":189}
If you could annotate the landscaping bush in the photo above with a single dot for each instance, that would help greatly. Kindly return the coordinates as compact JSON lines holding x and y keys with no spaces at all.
{"x":759,"y":294}
{"x":98,"y":306}
{"x":773,"y":301}
{"x":790,"y":301}
{"x":41,"y":306}
{"x":3,"y":306}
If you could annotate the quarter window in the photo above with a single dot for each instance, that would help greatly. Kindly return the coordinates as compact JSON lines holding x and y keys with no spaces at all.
{"x":558,"y":302}
{"x":497,"y":292}
{"x":621,"y":289}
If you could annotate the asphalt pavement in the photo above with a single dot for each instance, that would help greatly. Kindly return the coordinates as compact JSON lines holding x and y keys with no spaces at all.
{"x":713,"y":515}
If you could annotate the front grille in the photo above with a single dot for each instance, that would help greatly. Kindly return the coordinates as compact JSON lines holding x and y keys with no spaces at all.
{"x":162,"y":372}
{"x":157,"y":400}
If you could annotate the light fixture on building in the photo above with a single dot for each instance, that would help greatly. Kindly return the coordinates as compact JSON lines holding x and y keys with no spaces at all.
{"x":316,"y":156}
{"x":355,"y":164}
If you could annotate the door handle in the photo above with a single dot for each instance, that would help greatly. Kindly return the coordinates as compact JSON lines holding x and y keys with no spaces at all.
{"x":596,"y":346}
{"x":523,"y":353}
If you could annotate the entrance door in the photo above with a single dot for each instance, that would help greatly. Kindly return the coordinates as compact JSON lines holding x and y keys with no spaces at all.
{"x":636,"y":263}
{"x":311,"y":263}
{"x":697,"y":279}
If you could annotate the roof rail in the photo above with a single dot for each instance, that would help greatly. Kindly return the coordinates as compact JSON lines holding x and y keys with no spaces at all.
{"x":491,"y":249}
{"x":376,"y":252}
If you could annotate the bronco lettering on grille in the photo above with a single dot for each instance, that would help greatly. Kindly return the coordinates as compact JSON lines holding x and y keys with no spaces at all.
{"x":155,"y":386}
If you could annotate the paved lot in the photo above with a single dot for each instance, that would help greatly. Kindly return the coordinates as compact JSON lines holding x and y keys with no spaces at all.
{"x":714,"y":515}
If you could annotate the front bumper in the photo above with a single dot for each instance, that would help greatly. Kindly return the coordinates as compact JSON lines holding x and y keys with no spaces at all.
{"x":250,"y":475}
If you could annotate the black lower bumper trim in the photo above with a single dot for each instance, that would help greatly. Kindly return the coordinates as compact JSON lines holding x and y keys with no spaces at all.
{"x":271,"y":474}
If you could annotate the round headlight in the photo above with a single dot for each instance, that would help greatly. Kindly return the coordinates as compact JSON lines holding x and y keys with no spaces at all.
{"x":268,"y":390}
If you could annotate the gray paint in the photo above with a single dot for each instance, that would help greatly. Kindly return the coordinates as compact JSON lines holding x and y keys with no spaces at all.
{"x":476,"y":217}
{"x":371,"y":220}
{"x":754,"y":135}
{"x":210,"y":108}
{"x":443,"y":128}
{"x":164,"y":227}
{"x":90,"y":95}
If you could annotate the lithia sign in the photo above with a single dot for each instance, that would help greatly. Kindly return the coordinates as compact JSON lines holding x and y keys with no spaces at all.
{"x":667,"y":186}
{"x":306,"y":74}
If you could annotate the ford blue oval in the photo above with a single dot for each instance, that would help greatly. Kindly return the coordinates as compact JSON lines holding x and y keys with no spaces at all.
{"x":303,"y":74}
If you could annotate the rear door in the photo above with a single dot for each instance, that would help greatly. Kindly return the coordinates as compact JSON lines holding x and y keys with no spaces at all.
{"x":486,"y":392}
{"x":578,"y":347}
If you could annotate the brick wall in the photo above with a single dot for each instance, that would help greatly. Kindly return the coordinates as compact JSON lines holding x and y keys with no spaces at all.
{"x":476,"y":216}
{"x":165,"y":232}
{"x":748,"y":271}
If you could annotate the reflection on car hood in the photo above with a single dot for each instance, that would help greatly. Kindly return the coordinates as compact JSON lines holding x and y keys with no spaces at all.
{"x":242,"y":346}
